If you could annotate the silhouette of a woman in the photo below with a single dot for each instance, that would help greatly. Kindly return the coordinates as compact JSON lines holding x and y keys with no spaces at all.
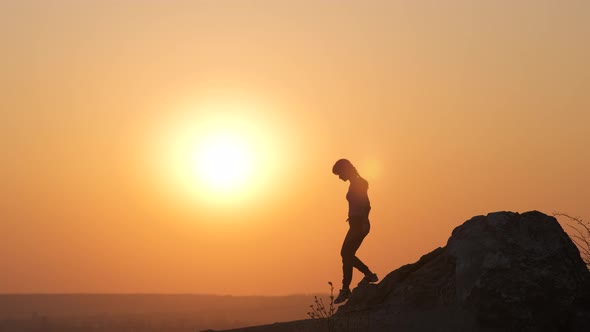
{"x":358,"y":221}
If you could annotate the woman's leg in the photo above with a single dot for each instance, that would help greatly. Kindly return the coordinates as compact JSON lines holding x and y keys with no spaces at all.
{"x":355,"y":236}
{"x":357,"y":263}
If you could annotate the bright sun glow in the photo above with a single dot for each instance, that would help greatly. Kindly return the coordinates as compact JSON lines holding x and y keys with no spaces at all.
{"x":219,"y":153}
{"x":223,"y":162}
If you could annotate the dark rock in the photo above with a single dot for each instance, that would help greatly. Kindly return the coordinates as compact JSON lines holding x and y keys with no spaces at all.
{"x":501,"y":272}
{"x":510,"y":271}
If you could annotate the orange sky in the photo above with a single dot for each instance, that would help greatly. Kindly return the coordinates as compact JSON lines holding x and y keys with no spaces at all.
{"x":449,"y":109}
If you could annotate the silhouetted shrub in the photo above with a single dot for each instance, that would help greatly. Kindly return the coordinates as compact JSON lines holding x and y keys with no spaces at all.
{"x":319,"y":310}
{"x":580,"y":235}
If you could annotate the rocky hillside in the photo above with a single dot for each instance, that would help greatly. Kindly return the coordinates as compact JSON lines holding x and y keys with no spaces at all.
{"x":501,"y":272}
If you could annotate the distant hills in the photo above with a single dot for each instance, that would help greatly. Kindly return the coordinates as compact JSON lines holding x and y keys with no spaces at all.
{"x":145,"y":312}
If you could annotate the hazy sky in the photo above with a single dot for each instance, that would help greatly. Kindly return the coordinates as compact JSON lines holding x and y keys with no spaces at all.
{"x":449,"y":108}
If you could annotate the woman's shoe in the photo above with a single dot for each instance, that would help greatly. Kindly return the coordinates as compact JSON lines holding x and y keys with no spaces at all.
{"x":369,"y":278}
{"x":342,"y":296}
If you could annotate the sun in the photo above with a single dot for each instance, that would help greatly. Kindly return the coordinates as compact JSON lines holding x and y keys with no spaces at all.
{"x":219,"y":155}
{"x":223,"y":162}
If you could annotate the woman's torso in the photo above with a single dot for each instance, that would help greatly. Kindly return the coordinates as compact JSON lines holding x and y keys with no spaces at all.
{"x":359,"y":205}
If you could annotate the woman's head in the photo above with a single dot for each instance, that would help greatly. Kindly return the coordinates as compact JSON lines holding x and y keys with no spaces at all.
{"x":344,"y":169}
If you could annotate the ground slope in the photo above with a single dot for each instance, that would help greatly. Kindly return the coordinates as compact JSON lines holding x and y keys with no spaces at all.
{"x":501,"y":272}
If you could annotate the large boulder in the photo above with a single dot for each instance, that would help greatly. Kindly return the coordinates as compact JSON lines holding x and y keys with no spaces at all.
{"x":501,"y":272}
{"x":505,"y":270}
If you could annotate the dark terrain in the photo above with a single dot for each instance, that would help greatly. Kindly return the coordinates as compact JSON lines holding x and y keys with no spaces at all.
{"x":501,"y":272}
{"x":144,"y":312}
